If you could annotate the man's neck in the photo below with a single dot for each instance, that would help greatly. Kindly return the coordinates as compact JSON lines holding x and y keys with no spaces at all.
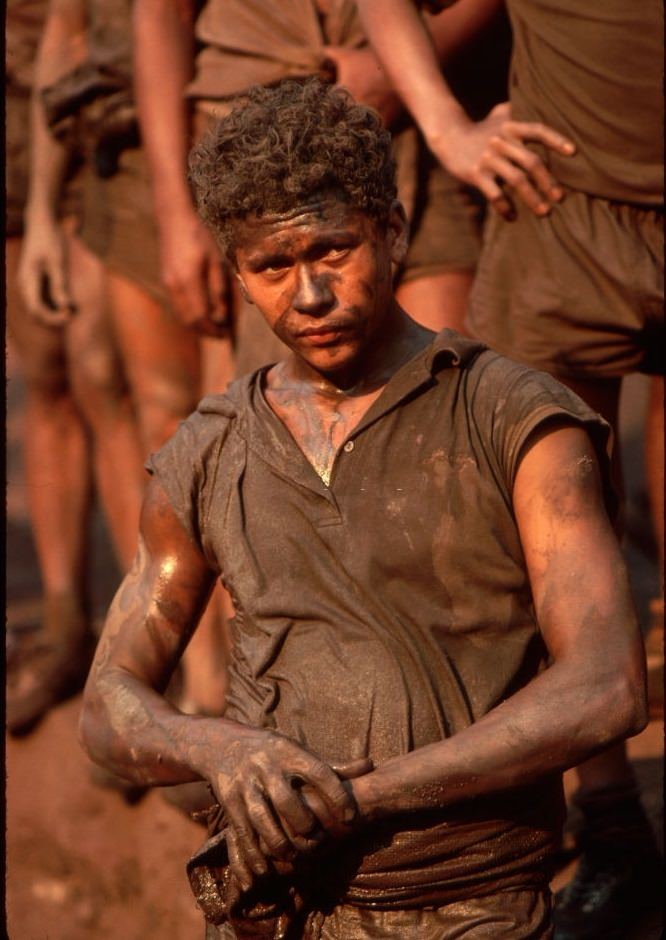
{"x":400,"y":340}
{"x":321,"y":410}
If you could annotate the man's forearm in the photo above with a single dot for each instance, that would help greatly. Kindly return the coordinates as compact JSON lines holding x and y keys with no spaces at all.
{"x":62,"y":41}
{"x":459,"y":24}
{"x":553,"y":723}
{"x":163,"y":62}
{"x":409,"y":55}
{"x":134,"y":731}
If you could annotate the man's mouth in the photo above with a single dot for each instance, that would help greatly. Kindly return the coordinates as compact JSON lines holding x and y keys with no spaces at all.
{"x":324,"y":333}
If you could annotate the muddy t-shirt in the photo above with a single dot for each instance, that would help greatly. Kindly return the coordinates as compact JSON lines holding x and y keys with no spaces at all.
{"x":392,"y":608}
{"x":594,"y":72}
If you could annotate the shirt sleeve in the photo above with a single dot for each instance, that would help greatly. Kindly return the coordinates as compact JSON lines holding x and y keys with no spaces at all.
{"x":182,"y":467}
{"x":518,"y":401}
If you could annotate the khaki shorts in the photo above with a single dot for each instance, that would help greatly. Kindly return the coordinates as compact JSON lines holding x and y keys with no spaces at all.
{"x":118,"y":222}
{"x":579,"y":293}
{"x":446,"y":225}
{"x":507,"y":915}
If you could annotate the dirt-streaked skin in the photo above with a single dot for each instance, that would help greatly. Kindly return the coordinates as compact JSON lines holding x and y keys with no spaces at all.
{"x":327,"y":268}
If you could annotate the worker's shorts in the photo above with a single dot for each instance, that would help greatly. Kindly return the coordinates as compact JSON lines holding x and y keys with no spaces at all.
{"x":579,"y":293}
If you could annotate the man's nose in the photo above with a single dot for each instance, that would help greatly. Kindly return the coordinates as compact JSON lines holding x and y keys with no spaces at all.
{"x":313,"y":292}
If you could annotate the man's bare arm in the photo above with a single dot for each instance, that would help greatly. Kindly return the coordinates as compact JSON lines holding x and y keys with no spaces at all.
{"x":128,"y":726}
{"x":360,"y":71}
{"x":191,"y":265}
{"x":43,"y":256}
{"x":478,"y":153}
{"x":593,"y":693}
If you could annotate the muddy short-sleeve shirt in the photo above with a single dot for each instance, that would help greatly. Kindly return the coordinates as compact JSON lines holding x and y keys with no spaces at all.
{"x":392,"y":608}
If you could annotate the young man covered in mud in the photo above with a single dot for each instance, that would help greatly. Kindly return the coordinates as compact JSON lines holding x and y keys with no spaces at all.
{"x":414,"y":533}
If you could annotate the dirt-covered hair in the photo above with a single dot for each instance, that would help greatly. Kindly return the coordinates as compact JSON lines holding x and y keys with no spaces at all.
{"x":286,"y":143}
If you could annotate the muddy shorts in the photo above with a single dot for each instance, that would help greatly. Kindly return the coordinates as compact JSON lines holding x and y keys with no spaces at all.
{"x":508,"y":915}
{"x":579,"y":293}
{"x":118,"y":222}
{"x":446,"y":223}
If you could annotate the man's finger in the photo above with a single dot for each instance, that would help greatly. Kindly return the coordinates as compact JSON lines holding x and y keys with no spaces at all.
{"x":57,"y":289}
{"x":189,"y":298}
{"x":533,"y":166}
{"x":332,"y":791}
{"x":38,"y":303}
{"x":269,"y":832}
{"x":218,"y":294}
{"x":353,"y":768}
{"x":517,"y":180}
{"x":490,"y":187}
{"x":246,"y":839}
{"x":525,"y":130}
{"x":239,"y":868}
{"x":292,"y":812}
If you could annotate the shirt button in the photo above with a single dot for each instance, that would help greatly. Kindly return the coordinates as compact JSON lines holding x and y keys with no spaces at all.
{"x":349,"y":446}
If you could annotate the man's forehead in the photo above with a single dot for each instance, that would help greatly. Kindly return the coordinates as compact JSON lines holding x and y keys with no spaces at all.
{"x":318,"y":213}
{"x":319,"y":206}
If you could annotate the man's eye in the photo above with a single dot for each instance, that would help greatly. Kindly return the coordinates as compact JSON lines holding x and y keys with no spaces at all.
{"x":274,"y":271}
{"x":337,"y":254}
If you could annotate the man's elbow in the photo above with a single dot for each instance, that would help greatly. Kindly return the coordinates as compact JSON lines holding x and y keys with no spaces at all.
{"x":93,"y":730}
{"x":627,"y":711}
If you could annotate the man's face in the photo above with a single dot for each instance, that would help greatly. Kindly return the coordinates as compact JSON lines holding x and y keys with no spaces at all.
{"x":322,"y":277}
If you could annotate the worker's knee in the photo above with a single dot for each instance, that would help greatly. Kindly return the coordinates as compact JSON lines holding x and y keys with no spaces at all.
{"x":97,"y":380}
{"x":161,"y":405}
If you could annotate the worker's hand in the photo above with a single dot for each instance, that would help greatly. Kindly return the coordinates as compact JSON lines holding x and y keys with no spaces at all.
{"x":491,"y":155}
{"x":359,"y":71}
{"x":194,"y":273}
{"x":279,"y":800}
{"x":42,"y":272}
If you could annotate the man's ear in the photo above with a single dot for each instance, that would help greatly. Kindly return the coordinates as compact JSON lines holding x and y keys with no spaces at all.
{"x":398,"y":231}
{"x":243,"y":288}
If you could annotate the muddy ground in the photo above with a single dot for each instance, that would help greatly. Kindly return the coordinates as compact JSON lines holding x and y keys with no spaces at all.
{"x":84,"y":865}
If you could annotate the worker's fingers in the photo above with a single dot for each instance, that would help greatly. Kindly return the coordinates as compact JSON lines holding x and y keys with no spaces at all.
{"x":490,"y":186}
{"x":237,"y":864}
{"x":340,"y":805}
{"x":271,"y":837}
{"x":517,"y":179}
{"x":293,"y":814}
{"x":248,"y":851}
{"x":353,"y":768}
{"x":39,"y":300}
{"x":218,"y":294}
{"x":533,"y":165}
{"x":533,"y":130}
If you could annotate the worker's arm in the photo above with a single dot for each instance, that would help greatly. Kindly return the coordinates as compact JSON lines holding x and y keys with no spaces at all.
{"x":360,"y":71}
{"x":128,"y":726}
{"x":42,"y":275}
{"x":191,"y":264}
{"x":490,"y":154}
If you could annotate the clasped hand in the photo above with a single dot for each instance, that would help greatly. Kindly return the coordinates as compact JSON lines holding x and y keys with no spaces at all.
{"x":280,"y":801}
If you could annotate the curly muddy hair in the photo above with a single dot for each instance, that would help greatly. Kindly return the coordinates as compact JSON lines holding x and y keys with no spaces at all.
{"x":284,"y":144}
